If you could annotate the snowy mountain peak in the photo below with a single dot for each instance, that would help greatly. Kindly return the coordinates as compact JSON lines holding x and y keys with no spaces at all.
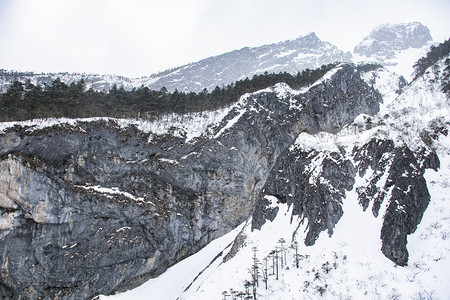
{"x":309,"y":36}
{"x":396,"y":46}
{"x":388,"y":38}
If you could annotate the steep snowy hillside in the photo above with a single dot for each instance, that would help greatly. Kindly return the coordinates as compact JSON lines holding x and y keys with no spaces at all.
{"x":347,"y":258}
{"x":395,"y":46}
{"x":349,"y":263}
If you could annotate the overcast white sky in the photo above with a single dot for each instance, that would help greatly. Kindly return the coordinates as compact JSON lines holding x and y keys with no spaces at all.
{"x":140,"y":37}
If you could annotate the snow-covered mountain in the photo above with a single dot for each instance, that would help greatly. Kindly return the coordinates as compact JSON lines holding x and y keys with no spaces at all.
{"x":94,"y":81}
{"x":385,"y":40}
{"x":395,"y":46}
{"x":348,"y":176}
{"x":346,"y":262}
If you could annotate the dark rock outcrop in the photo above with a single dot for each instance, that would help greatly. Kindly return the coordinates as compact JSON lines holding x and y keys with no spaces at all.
{"x":397,"y":181}
{"x":314,"y":183}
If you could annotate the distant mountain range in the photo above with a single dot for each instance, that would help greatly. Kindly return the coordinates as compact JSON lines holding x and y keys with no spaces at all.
{"x":289,"y":56}
{"x":382,"y":45}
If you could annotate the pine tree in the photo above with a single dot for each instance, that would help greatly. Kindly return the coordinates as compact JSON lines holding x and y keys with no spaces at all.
{"x":265,"y":273}
{"x":295,"y":245}
{"x":281,"y":241}
{"x":276,"y":261}
{"x":247,"y":285}
{"x":255,"y":272}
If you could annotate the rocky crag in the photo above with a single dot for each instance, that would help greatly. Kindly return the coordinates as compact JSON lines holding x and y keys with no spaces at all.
{"x":93,"y":208}
{"x":314,"y":183}
{"x":382,"y":157}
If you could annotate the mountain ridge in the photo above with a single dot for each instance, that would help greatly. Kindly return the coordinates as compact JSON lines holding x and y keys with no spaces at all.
{"x":292,"y":56}
{"x":249,"y":61}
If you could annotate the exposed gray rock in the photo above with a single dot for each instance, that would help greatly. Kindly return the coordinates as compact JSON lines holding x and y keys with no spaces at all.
{"x":404,"y":191}
{"x":312,"y":182}
{"x":93,"y":208}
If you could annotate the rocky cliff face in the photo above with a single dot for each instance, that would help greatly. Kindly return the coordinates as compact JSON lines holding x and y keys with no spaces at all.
{"x":315,"y":182}
{"x":94,"y":208}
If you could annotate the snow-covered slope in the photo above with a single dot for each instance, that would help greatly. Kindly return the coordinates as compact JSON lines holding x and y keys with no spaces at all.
{"x":178,"y":279}
{"x":347,"y":264}
{"x":187,"y":127}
